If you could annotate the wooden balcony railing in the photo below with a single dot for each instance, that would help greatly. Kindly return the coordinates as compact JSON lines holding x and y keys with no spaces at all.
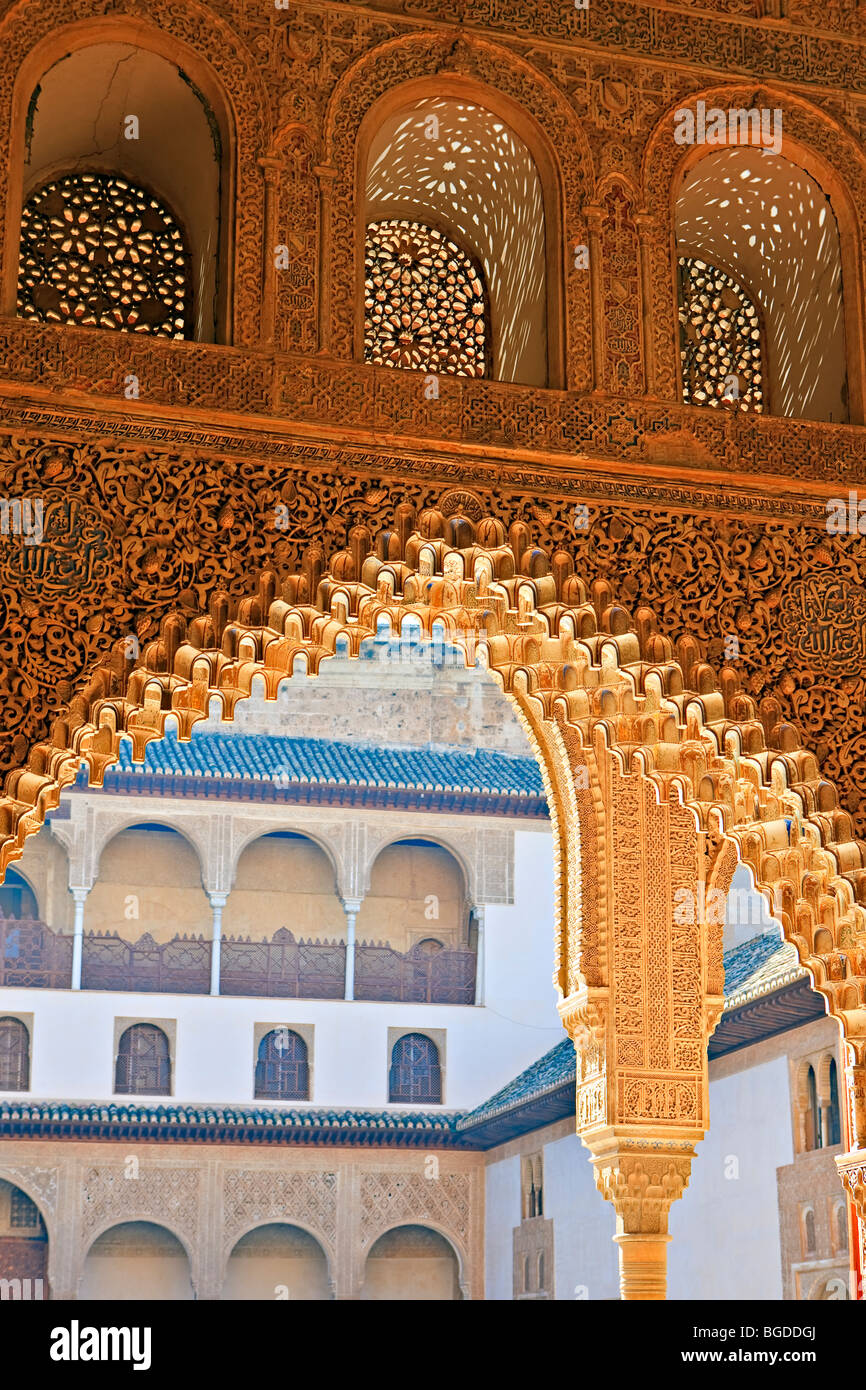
{"x":418,"y":976}
{"x":145,"y":966}
{"x":283,"y":968}
{"x":32,"y":955}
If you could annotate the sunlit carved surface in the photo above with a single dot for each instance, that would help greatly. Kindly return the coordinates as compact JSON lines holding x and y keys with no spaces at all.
{"x":720,"y":336}
{"x":462,"y":169}
{"x":772,"y":227}
{"x":96,"y":250}
{"x":424,"y":302}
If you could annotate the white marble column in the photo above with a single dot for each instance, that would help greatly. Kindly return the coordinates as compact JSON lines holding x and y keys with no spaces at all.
{"x":478,"y":913}
{"x":351,"y":907}
{"x":79,"y":897}
{"x":217,"y":903}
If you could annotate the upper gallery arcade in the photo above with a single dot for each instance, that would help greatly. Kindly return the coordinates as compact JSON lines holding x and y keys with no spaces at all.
{"x":432,"y":200}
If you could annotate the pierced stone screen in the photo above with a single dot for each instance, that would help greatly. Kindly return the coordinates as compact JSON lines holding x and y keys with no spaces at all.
{"x":720,"y":339}
{"x":97,"y":250}
{"x":424,"y":302}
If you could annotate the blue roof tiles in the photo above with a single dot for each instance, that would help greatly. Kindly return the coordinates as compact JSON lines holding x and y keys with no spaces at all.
{"x":328,"y":761}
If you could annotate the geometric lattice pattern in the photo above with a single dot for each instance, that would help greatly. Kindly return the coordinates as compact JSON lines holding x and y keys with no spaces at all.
{"x":99,"y":251}
{"x":424,"y":302}
{"x":720,"y":339}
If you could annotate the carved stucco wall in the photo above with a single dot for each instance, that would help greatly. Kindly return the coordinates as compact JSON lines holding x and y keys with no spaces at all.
{"x":210,"y":1197}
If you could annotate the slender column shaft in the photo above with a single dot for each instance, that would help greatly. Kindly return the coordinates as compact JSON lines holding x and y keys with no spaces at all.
{"x":351,"y":907}
{"x":479,"y":956}
{"x":79,"y":896}
{"x":643,"y":1267}
{"x":217,"y":903}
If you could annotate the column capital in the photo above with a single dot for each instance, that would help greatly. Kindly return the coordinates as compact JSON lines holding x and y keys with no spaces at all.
{"x":217,"y":899}
{"x":352,"y":905}
{"x":80,"y":891}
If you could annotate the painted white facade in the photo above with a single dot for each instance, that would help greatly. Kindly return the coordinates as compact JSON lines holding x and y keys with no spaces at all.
{"x":725,"y":1230}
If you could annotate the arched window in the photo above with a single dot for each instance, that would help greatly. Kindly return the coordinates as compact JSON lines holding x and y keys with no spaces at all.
{"x":809,"y":1232}
{"x":14,"y":1055}
{"x":840,"y":1217}
{"x":143,"y":1062}
{"x":98,"y":250}
{"x":834,"y":1119}
{"x":720,"y":339}
{"x":282,"y":1070}
{"x":425,"y":302}
{"x":415,"y":1071}
{"x":813,"y":1114}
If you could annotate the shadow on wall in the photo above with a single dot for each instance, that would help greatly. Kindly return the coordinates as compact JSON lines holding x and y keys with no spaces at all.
{"x":462,"y":169}
{"x":769,"y":224}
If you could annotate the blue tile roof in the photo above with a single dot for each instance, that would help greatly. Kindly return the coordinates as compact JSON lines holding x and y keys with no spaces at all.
{"x":757,"y":967}
{"x":261,"y":757}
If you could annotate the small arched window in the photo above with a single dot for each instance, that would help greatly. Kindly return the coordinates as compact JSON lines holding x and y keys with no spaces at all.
{"x":721,"y":345}
{"x":813,"y":1115}
{"x":415,"y":1071}
{"x":425,"y":302}
{"x":14,"y":1055}
{"x":282,"y":1069}
{"x":143,"y":1062}
{"x":834,"y":1119}
{"x":840,"y":1217}
{"x":809,"y":1232}
{"x":98,"y":250}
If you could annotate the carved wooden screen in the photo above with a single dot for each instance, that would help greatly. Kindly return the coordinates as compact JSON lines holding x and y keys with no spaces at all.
{"x":415,"y":1071}
{"x":98,"y":250}
{"x":425,"y":304}
{"x":143,"y":1062}
{"x":14,"y":1055}
{"x":720,"y":339}
{"x":282,"y":1070}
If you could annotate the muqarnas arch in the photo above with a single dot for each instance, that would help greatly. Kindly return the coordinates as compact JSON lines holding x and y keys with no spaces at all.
{"x":660,"y":779}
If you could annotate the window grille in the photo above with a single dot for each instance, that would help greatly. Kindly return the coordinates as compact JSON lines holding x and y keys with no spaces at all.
{"x":720,"y":339}
{"x":425,"y":304}
{"x":282,"y":1070}
{"x":14,"y":1055}
{"x":98,"y":250}
{"x":143,"y":1062}
{"x":23,"y":1212}
{"x":415,"y":1071}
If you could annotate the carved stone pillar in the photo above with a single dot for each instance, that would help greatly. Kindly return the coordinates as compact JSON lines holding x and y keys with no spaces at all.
{"x":648,"y":969}
{"x":594,"y":218}
{"x":271,"y":169}
{"x":641,"y":1182}
{"x":852,"y":1171}
{"x":646,"y":231}
{"x":326,"y":177}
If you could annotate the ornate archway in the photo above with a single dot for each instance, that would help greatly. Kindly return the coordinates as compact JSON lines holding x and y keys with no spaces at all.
{"x":660,"y":779}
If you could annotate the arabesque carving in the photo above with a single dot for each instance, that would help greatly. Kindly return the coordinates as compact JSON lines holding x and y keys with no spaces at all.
{"x":683,"y":777}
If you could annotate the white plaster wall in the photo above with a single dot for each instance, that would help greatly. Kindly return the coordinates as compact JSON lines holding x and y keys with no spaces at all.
{"x":501,"y":1215}
{"x":726,"y":1231}
{"x":585,"y":1258}
{"x":72,"y":1041}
